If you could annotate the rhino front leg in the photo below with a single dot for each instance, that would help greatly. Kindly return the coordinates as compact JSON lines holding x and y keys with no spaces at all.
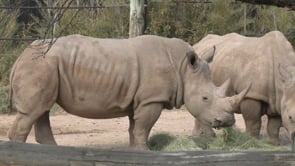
{"x":43,"y":132}
{"x":144,"y":118}
{"x":252,"y":112}
{"x":273,"y":128}
{"x":202,"y":130}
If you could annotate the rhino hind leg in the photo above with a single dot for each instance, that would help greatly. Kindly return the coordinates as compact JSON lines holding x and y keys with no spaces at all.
{"x":131,"y":128}
{"x":19,"y":131}
{"x":273,"y":129}
{"x":43,"y":132}
{"x":202,"y":130}
{"x":32,"y":97}
{"x":252,"y":112}
{"x":145,"y":116}
{"x":22,"y":125}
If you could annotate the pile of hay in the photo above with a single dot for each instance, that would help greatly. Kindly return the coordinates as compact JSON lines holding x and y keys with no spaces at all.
{"x":230,"y":139}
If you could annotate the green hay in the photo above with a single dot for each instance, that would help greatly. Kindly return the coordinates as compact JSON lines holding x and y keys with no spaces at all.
{"x":166,"y":142}
{"x":230,"y":139}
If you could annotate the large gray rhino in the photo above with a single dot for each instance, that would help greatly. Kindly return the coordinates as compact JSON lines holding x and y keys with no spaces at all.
{"x":264,"y":61}
{"x":109,"y":78}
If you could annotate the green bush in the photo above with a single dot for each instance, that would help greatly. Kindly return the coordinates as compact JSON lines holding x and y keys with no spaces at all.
{"x":108,"y":23}
{"x":192,"y":22}
{"x":4,"y":104}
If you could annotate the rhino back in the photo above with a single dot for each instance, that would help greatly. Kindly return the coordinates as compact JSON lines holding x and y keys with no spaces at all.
{"x":250,"y":59}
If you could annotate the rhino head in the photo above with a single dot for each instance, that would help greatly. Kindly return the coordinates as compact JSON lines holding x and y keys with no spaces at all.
{"x":203,"y":99}
{"x":287,"y":104}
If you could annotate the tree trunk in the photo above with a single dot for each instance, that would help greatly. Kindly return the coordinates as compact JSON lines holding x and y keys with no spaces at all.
{"x":136,"y":24}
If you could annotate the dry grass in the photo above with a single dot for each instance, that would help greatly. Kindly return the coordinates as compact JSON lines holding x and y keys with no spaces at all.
{"x":231,"y":139}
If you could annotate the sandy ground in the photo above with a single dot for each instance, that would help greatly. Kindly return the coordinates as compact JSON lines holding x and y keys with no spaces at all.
{"x":71,"y":130}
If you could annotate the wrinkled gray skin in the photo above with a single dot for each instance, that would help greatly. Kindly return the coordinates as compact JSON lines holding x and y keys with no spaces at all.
{"x":267,"y":63}
{"x":109,"y":78}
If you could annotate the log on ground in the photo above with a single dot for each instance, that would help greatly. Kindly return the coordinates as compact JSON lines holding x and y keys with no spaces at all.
{"x":22,"y":154}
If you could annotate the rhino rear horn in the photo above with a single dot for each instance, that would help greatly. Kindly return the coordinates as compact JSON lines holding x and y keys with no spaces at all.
{"x":236,"y":99}
{"x":222,"y":91}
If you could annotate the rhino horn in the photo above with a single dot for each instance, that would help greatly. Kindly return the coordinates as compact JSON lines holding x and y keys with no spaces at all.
{"x":223,"y":89}
{"x":236,"y":99}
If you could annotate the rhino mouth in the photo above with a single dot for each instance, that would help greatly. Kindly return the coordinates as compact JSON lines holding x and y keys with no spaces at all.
{"x":217,"y":124}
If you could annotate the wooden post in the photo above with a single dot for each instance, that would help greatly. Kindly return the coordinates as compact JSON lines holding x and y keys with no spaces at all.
{"x":136,"y":23}
{"x":293,"y":142}
{"x":245,"y":19}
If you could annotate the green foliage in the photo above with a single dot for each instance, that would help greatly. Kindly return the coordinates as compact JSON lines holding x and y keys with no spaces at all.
{"x":4,"y":98}
{"x":105,"y":23}
{"x":191,"y":22}
{"x":225,"y":17}
{"x":231,"y":139}
{"x":8,"y":26}
{"x":5,"y":67}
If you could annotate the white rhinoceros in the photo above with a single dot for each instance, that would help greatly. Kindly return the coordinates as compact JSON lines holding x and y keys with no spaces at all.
{"x":109,"y":78}
{"x":256,"y":60}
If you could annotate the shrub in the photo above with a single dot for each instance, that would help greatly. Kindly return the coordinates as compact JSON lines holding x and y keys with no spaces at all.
{"x":4,"y":99}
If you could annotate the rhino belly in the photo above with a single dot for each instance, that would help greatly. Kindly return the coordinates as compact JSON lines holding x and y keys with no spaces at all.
{"x":93,"y":109}
{"x":108,"y":98}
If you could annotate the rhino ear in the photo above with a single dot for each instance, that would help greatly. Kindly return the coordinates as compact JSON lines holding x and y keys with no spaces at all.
{"x":208,"y":57}
{"x":192,"y":59}
{"x":285,"y":76}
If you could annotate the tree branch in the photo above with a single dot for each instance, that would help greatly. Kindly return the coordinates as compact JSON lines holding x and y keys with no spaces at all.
{"x":289,"y":4}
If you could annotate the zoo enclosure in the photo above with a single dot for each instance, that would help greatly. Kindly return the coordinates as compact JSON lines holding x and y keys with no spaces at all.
{"x":186,"y":19}
{"x":91,"y":156}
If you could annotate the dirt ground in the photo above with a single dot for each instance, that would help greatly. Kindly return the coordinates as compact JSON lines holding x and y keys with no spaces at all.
{"x":71,"y":130}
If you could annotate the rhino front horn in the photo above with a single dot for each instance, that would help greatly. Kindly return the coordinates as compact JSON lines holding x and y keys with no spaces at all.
{"x":236,"y":99}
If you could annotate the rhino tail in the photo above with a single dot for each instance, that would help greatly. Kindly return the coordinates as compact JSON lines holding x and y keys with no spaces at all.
{"x":10,"y":109}
{"x":10,"y":104}
{"x":10,"y":99}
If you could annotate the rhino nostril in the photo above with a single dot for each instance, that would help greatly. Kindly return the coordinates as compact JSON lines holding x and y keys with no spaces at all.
{"x":205,"y":98}
{"x":290,"y":117}
{"x":217,"y":121}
